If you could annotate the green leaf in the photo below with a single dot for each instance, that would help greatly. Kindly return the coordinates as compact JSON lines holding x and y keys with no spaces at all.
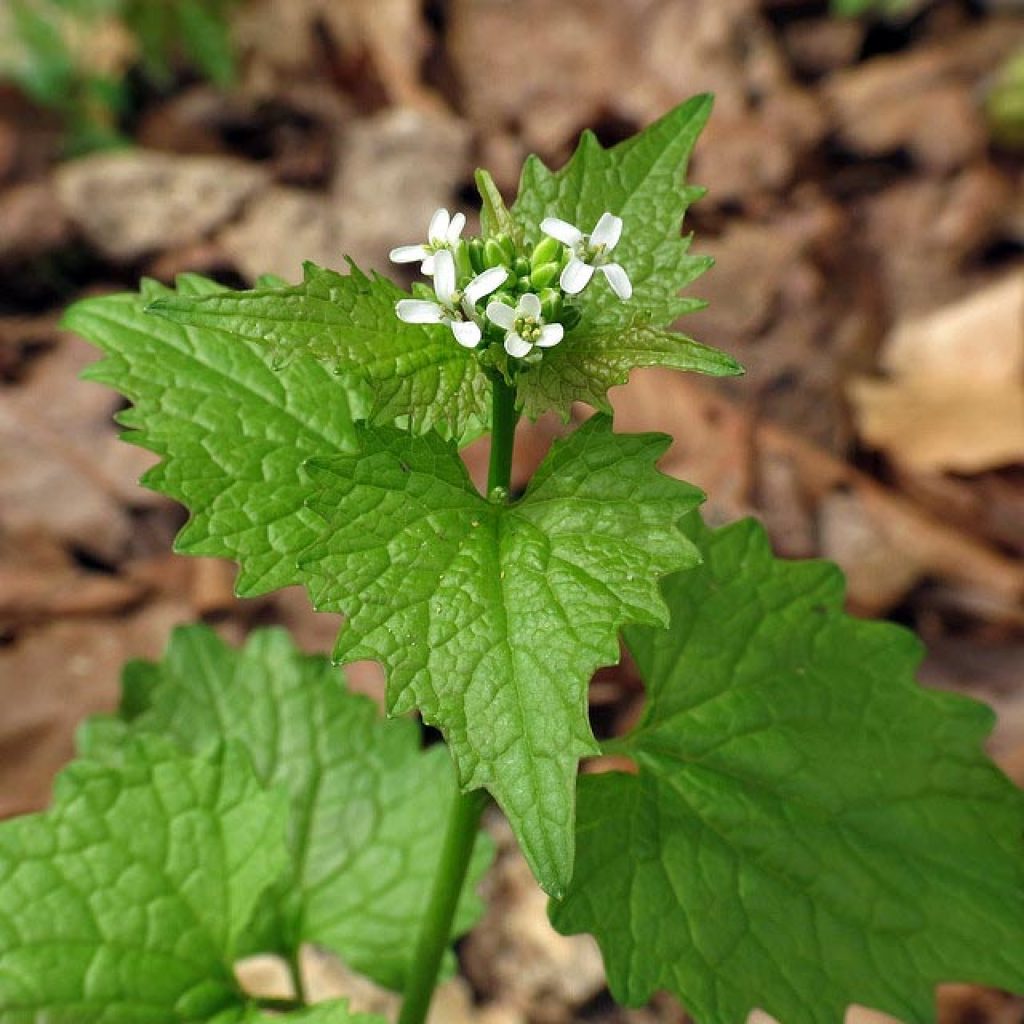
{"x":587,"y":364}
{"x":232,"y":429}
{"x":809,"y":828}
{"x":367,"y":805}
{"x":530,"y":596}
{"x":494,"y":217}
{"x":414,"y":371}
{"x":334,"y":1012}
{"x":640,"y":180}
{"x":205,"y":34}
{"x":125,"y":901}
{"x":492,"y":618}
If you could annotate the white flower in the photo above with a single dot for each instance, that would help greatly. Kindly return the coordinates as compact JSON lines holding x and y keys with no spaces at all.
{"x":443,"y":233}
{"x":524,"y":326}
{"x":589,"y":253}
{"x":453,"y":308}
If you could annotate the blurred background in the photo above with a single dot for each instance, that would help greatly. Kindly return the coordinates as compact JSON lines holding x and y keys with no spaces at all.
{"x":865,"y":164}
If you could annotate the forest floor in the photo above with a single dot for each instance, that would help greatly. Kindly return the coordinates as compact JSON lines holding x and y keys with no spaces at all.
{"x":869,"y":246}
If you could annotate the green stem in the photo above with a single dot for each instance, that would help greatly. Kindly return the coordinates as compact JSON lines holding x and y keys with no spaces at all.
{"x":459,"y":841}
{"x":503,"y":433}
{"x":295,"y":969}
{"x":464,"y":819}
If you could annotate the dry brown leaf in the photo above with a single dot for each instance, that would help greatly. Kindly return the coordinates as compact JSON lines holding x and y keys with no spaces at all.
{"x":53,"y":677}
{"x":720,"y":448}
{"x":62,"y":467}
{"x":955,"y":397}
{"x":516,"y":956}
{"x":130,"y":204}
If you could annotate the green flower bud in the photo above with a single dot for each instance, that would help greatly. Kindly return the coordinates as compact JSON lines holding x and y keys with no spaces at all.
{"x":541,"y":276}
{"x":547,"y":250}
{"x":523,"y":283}
{"x":551,"y":304}
{"x":494,"y":255}
{"x":505,"y":296}
{"x":476,"y":254}
{"x":521,"y":266}
{"x":463,"y":263}
{"x":507,"y":246}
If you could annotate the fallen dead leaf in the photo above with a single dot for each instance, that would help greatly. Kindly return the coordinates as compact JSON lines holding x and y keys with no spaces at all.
{"x":719,"y":448}
{"x":130,"y":204}
{"x":515,"y":954}
{"x":52,"y":677}
{"x":61,"y":465}
{"x":955,"y":397}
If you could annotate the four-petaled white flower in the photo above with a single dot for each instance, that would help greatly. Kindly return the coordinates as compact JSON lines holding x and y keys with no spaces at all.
{"x":589,"y":253}
{"x":524,"y":326}
{"x":454,"y":308}
{"x":442,"y":235}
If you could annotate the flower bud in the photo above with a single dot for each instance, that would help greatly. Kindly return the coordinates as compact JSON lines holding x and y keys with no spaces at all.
{"x":507,"y":246}
{"x":476,"y":254}
{"x":463,"y":264}
{"x":494,"y":255}
{"x":551,"y":304}
{"x":521,"y":266}
{"x":547,"y":250}
{"x":541,"y":276}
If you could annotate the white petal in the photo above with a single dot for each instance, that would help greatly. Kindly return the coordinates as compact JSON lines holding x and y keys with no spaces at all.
{"x":517,"y":346}
{"x":438,"y":226}
{"x":607,"y":231}
{"x":485,"y":283}
{"x":427,"y":266}
{"x":467,"y":333}
{"x":528,"y":305}
{"x":444,"y":276}
{"x":455,"y":228}
{"x":565,"y":232}
{"x":550,"y":334}
{"x":618,"y":279}
{"x":408,"y":254}
{"x":418,"y":311}
{"x":502,"y":314}
{"x":576,"y":276}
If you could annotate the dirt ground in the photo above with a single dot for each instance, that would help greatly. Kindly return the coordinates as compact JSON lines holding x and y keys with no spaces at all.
{"x":869,"y":245}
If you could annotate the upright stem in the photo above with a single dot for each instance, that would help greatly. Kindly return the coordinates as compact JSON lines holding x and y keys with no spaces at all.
{"x":503,"y":433}
{"x":464,"y":818}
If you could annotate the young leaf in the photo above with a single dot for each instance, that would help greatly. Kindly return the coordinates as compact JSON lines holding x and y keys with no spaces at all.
{"x":125,"y":901}
{"x":349,"y":322}
{"x":367,"y":804}
{"x":640,"y":180}
{"x":233,"y":429}
{"x":809,"y":828}
{"x":492,"y":618}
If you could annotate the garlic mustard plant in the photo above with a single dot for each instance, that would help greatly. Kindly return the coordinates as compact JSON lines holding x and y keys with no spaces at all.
{"x":801,"y":826}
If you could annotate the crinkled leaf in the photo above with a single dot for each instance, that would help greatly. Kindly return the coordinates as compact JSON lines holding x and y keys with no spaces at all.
{"x":232,"y":430}
{"x":490,"y":618}
{"x":367,"y":804}
{"x":809,"y":828}
{"x":586,"y":365}
{"x":125,"y":901}
{"x":640,"y":180}
{"x":415,"y":372}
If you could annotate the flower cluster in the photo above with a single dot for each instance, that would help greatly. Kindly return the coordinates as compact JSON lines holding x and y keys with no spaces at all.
{"x":527,"y":309}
